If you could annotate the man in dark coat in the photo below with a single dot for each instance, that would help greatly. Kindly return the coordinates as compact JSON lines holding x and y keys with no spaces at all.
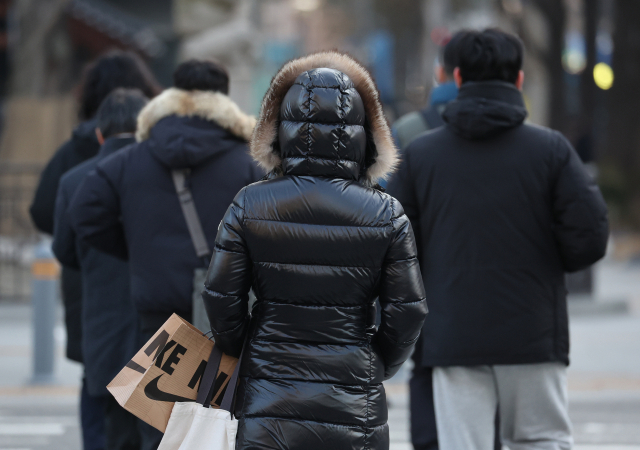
{"x":128,"y":206}
{"x":110,"y":328}
{"x":502,"y":210}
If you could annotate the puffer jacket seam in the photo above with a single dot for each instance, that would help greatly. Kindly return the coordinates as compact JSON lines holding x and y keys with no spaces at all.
{"x":364,"y":386}
{"x":310,"y":97}
{"x":391,"y":261}
{"x":323,"y":158}
{"x":251,"y":219}
{"x":309,"y":306}
{"x":366,"y":427}
{"x":337,"y":424}
{"x":314,"y":264}
{"x":335,"y":124}
{"x":218,"y":294}
{"x":410,"y":341}
{"x":226,"y":250}
{"x":359,"y":344}
{"x":407,"y":303}
{"x":229,"y":330}
{"x":341,"y":125}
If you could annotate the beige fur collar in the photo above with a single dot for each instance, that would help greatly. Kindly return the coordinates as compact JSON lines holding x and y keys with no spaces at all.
{"x":213,"y":106}
{"x":265,"y":133}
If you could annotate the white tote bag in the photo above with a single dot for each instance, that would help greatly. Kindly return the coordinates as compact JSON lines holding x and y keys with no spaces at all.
{"x":197,"y":426}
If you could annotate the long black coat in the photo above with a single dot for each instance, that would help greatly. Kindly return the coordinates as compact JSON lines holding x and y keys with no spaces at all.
{"x":318,"y":247}
{"x":82,"y":146}
{"x":501,"y":210}
{"x":128,"y":206}
{"x":109,"y":320}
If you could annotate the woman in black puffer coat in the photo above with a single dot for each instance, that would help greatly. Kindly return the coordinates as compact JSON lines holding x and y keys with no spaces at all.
{"x":318,"y":245}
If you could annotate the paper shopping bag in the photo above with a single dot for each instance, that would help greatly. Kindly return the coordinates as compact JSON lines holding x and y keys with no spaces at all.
{"x":166,"y":370}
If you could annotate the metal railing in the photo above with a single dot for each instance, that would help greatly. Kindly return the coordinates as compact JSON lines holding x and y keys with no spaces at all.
{"x":18,"y":236}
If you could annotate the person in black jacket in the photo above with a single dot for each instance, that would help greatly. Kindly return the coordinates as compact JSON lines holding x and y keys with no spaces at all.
{"x":112,"y":70}
{"x":128,"y":206}
{"x":502,"y":209}
{"x":109,"y":321}
{"x":318,"y":244}
{"x":115,"y":69}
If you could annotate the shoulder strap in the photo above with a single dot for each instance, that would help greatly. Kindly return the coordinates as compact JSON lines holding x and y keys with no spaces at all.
{"x":190,"y":213}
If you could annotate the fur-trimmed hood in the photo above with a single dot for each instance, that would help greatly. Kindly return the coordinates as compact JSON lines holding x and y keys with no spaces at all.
{"x":196,"y":125}
{"x":382,"y":155}
{"x":212,"y":106}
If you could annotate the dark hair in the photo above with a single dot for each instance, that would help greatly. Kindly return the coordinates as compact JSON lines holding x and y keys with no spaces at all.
{"x":113,"y":70}
{"x":201,"y":75}
{"x":119,"y":111}
{"x":490,"y":54}
{"x":449,"y":54}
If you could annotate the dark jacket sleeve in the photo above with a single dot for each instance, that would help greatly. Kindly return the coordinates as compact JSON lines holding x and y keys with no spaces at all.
{"x":402,"y":298}
{"x":226,"y":293}
{"x":580,"y":213}
{"x":402,"y":187}
{"x":95,"y":213}
{"x":64,"y":238}
{"x":44,"y":202}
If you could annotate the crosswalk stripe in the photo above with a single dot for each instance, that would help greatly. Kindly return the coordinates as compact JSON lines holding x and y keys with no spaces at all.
{"x":31,"y":429}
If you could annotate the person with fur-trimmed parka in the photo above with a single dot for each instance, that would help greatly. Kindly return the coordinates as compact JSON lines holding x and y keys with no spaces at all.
{"x":318,"y":243}
{"x":128,"y":206}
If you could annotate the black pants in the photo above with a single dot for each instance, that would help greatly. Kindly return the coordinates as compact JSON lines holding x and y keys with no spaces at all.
{"x":106,"y":425}
{"x":92,"y":419}
{"x":424,"y":434}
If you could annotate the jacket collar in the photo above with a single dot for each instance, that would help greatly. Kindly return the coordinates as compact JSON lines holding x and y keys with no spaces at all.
{"x":115,"y":143}
{"x":211,"y":106}
{"x":500,"y":91}
{"x":485,"y":109}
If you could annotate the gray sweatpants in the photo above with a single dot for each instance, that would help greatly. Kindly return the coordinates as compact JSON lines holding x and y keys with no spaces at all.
{"x":532,"y":400}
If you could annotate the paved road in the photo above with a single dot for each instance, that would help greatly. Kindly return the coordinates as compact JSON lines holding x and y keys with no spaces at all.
{"x":604,"y":380}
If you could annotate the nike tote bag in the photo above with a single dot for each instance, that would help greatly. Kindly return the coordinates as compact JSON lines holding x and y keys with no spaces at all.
{"x":198,"y":426}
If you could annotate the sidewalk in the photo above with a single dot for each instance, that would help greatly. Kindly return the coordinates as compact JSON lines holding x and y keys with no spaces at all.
{"x":604,"y":379}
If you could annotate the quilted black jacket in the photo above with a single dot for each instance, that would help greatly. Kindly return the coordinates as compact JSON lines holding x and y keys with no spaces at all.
{"x":501,"y":210}
{"x":318,"y":247}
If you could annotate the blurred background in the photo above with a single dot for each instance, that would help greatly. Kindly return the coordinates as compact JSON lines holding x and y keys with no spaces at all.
{"x":582,"y":67}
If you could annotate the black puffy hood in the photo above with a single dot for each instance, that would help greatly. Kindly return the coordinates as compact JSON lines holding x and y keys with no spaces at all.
{"x":484,"y":109}
{"x":185,"y":128}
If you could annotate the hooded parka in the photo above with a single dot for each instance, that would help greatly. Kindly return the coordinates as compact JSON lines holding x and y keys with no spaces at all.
{"x":318,"y":245}
{"x":110,"y":324}
{"x":502,"y":209}
{"x":128,"y":206}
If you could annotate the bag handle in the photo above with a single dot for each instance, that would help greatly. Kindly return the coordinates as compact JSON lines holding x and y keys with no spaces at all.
{"x":205,"y":390}
{"x":191,"y":214}
{"x":229,"y":395}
